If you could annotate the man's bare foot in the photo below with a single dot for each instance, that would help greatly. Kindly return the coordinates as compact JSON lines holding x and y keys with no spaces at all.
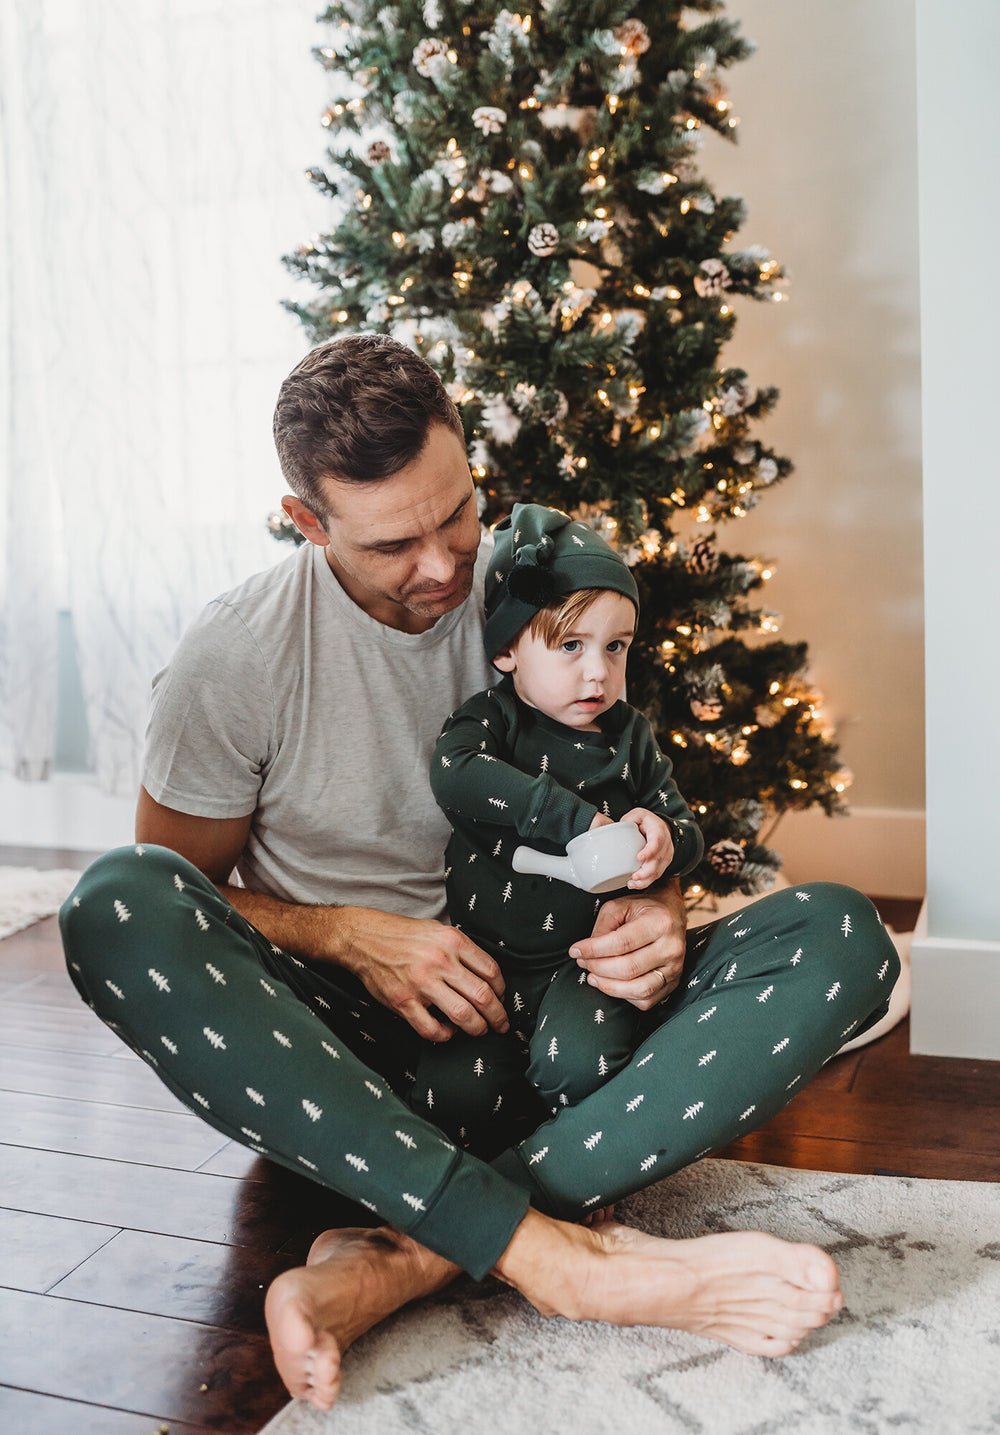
{"x":352,"y":1279}
{"x":598,"y":1218}
{"x":749,"y":1290}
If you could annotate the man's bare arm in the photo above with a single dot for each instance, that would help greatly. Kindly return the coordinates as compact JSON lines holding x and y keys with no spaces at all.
{"x":407,"y":964}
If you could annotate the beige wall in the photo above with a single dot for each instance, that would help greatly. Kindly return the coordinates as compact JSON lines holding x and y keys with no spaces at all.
{"x":826,"y":161}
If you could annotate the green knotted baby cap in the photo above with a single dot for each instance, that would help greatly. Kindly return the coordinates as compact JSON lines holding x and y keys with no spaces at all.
{"x":542,"y":555}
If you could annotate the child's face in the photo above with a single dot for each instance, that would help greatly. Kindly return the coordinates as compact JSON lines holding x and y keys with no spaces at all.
{"x":582,"y":678}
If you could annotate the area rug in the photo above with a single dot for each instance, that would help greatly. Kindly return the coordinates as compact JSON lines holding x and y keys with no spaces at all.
{"x":27,"y":895}
{"x":916,"y":1349}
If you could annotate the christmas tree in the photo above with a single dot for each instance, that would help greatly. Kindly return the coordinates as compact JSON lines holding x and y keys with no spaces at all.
{"x":517,"y":196}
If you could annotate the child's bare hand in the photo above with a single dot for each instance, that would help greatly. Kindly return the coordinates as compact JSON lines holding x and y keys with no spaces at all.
{"x":657,"y":852}
{"x":600,"y":821}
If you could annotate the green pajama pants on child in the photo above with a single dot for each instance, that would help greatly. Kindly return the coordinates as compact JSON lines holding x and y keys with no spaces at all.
{"x":293,"y":1059}
{"x":566,"y":1039}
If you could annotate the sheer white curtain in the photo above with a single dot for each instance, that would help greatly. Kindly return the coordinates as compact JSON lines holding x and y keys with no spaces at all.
{"x":151,"y":175}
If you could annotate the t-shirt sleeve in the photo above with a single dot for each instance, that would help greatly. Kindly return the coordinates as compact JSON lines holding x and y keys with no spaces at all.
{"x":211,"y":720}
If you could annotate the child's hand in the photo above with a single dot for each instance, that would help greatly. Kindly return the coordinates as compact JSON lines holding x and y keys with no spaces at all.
{"x":656,"y":855}
{"x":600,"y":821}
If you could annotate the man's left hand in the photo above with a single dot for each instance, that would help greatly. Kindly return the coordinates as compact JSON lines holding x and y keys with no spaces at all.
{"x":636,"y":950}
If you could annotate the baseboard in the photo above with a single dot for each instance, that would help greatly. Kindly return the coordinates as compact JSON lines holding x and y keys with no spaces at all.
{"x":880,"y":850}
{"x":956,"y":996}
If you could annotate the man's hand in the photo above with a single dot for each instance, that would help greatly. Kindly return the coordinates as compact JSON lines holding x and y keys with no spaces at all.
{"x":636,"y":950}
{"x":411,"y":964}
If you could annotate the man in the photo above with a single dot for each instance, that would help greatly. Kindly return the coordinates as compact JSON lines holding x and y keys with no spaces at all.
{"x":289,"y":739}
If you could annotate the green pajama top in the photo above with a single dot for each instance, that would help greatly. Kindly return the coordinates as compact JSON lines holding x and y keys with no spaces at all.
{"x":506,"y":774}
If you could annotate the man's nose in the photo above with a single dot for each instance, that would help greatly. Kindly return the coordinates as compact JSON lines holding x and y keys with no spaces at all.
{"x":437,"y":563}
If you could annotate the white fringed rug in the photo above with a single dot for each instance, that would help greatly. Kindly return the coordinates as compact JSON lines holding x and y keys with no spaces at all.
{"x":916,"y":1349}
{"x":27,"y":895}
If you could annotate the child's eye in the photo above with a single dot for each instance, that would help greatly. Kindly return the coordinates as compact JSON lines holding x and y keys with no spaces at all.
{"x":571,"y":645}
{"x":617,"y":645}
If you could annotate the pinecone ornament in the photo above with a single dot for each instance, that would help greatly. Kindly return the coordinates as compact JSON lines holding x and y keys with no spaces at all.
{"x":712,"y":279}
{"x":378,"y":152}
{"x":726,"y":857}
{"x":707,"y":709}
{"x":702,"y":557}
{"x":543,"y":240}
{"x":430,"y":57}
{"x":633,"y":37}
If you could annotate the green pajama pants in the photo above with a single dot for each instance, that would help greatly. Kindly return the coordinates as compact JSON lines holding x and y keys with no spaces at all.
{"x":566,"y":1040}
{"x":292,"y":1059}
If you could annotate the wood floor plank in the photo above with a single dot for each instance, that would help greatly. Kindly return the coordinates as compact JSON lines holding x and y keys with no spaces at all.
{"x":864,"y":1158}
{"x":82,"y":1075}
{"x":176,"y":1139}
{"x":51,"y":989}
{"x":149,"y":1364}
{"x":35,"y":949}
{"x":50,"y":1029}
{"x":146,"y":1198}
{"x":25,"y":1412}
{"x":889,"y":1071}
{"x":39,"y":1251}
{"x":168,"y":1275}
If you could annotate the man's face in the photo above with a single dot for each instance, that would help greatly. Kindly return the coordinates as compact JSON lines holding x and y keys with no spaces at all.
{"x":404,"y":549}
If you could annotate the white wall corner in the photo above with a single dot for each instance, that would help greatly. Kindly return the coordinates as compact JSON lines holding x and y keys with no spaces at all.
{"x":956,"y":998}
{"x":880,"y":851}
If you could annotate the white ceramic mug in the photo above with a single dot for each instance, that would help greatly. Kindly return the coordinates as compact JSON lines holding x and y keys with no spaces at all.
{"x":600,"y":860}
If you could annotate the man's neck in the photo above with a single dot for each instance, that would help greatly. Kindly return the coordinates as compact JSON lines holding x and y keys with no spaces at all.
{"x":382,"y":609}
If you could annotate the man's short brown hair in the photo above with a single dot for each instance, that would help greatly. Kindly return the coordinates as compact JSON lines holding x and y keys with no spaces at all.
{"x":356,"y":409}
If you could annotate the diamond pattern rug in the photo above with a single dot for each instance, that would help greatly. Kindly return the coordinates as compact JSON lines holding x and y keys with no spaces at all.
{"x":916,"y":1349}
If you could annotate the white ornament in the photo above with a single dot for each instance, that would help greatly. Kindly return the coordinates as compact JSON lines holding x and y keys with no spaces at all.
{"x":489,"y":118}
{"x":503,"y":424}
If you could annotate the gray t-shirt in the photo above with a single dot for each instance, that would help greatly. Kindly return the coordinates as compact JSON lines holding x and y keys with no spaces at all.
{"x":286,"y":700}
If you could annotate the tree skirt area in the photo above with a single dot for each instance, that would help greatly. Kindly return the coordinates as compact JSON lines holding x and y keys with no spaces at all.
{"x":916,"y":1349}
{"x":27,"y":895}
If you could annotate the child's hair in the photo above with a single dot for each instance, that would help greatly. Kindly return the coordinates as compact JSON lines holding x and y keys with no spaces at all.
{"x":551,"y":623}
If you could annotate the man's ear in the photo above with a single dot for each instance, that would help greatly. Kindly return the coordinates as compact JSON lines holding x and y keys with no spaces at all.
{"x":505,"y":661}
{"x":305,"y":520}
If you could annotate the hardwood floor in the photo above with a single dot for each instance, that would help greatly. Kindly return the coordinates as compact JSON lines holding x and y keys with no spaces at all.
{"x":138,"y":1243}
